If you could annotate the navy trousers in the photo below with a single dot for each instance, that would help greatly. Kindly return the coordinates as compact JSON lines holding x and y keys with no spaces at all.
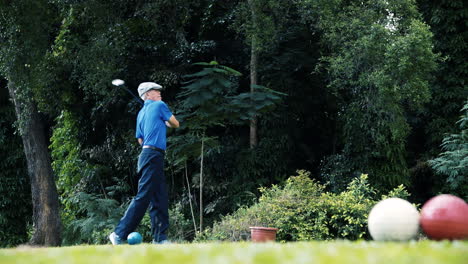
{"x":152,"y":192}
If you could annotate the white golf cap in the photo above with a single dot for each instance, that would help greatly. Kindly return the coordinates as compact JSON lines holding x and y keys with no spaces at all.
{"x":146,"y":86}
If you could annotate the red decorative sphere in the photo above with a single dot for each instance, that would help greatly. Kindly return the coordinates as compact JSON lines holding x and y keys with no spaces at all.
{"x":445,"y":217}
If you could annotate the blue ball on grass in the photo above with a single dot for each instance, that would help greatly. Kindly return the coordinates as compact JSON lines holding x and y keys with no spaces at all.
{"x":134,"y":238}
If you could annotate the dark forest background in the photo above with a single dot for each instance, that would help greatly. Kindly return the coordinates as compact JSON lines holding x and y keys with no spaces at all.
{"x":340,"y":88}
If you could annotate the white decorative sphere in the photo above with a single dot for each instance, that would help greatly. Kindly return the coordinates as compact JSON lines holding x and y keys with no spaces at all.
{"x":393,"y":219}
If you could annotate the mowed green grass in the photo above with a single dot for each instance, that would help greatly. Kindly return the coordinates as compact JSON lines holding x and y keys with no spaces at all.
{"x":425,"y":252}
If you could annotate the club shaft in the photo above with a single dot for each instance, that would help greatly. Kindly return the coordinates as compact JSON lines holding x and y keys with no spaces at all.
{"x":134,"y":96}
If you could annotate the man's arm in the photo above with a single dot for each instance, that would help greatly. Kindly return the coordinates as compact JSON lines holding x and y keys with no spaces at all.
{"x":172,"y":122}
{"x":140,"y":141}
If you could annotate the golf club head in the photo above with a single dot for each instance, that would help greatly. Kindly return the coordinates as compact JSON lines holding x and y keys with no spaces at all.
{"x":118,"y":82}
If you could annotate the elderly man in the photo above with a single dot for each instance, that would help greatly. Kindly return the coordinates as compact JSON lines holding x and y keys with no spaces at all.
{"x":151,"y":135}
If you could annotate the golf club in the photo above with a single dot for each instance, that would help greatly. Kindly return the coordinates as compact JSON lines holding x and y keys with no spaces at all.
{"x":121,"y":83}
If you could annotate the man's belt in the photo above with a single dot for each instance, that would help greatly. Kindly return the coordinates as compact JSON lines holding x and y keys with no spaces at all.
{"x":155,"y":148}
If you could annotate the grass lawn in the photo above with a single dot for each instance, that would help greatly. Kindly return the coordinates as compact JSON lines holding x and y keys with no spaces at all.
{"x":424,"y":252}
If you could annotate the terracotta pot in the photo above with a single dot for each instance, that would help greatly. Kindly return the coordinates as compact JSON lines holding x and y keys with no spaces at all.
{"x":263,"y":234}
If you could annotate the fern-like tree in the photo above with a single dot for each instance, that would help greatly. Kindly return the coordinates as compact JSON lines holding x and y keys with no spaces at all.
{"x":209,"y":100}
{"x":453,"y":162}
{"x":259,"y":21}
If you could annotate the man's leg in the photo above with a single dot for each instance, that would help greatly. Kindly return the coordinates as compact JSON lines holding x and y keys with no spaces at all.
{"x":159,"y":211}
{"x":139,"y":204}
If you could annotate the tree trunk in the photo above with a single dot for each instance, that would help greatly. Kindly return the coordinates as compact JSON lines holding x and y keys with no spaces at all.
{"x":46,"y":216}
{"x":253,"y":81}
{"x":201,"y":183}
{"x":190,"y":199}
{"x":253,"y":75}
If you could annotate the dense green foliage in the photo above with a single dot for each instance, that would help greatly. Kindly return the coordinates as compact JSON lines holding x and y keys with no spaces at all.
{"x":15,"y":201}
{"x":345,"y":88}
{"x":447,"y":20}
{"x":303,"y":211}
{"x":380,"y":64}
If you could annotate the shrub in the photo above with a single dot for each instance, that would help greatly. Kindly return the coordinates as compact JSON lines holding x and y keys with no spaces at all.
{"x":303,"y":211}
{"x":180,"y":228}
{"x":94,"y":220}
{"x":98,"y":217}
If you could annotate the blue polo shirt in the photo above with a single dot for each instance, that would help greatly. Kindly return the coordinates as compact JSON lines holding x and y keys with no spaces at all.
{"x":150,"y":123}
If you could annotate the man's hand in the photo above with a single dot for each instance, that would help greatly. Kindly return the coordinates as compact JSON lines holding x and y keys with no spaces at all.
{"x":172,"y":122}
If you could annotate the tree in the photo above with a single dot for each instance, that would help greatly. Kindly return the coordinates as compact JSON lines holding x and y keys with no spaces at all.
{"x":26,"y":27}
{"x":379,"y":62}
{"x":259,"y":21}
{"x":253,"y":68}
{"x":447,"y":21}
